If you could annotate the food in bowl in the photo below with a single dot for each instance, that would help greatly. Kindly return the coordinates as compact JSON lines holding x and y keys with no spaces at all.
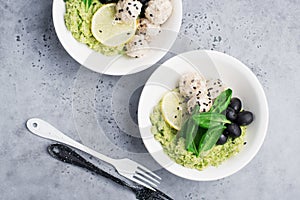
{"x":114,"y":27}
{"x":199,"y":123}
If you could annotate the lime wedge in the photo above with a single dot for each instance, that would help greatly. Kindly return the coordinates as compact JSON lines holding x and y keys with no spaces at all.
{"x":171,"y":111}
{"x":107,"y":30}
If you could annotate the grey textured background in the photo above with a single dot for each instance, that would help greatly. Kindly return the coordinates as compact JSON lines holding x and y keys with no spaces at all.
{"x":38,"y":79}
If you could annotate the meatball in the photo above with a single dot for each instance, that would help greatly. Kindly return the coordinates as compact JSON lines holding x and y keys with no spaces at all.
{"x":192,"y":84}
{"x":128,"y":10}
{"x":203,"y":101}
{"x":158,"y":11}
{"x":137,"y":46}
{"x":215,"y":88}
{"x":148,"y":29}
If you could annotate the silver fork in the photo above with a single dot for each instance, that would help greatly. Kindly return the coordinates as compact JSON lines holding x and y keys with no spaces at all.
{"x":125,"y":167}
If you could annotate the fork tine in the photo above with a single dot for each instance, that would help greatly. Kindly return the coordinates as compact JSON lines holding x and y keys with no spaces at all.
{"x":145,"y":180}
{"x":148,"y":171}
{"x":142,"y":183}
{"x":146,"y":175}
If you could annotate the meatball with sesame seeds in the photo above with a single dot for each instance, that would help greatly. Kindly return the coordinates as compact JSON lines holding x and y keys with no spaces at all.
{"x":215,"y":87}
{"x":158,"y":11}
{"x":204,"y":102}
{"x":147,"y":29}
{"x":128,"y":10}
{"x":136,"y":47}
{"x":192,"y":84}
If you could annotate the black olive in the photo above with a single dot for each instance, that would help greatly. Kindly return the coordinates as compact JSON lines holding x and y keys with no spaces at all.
{"x":222,"y":140}
{"x":234,"y":130}
{"x":236,"y":104}
{"x":226,"y":133}
{"x":231,"y":114}
{"x":244,"y":118}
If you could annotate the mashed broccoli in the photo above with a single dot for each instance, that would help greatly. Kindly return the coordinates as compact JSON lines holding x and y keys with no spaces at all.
{"x":175,"y":148}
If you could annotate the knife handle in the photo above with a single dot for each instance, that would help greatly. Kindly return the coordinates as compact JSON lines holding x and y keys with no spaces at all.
{"x":63,"y":153}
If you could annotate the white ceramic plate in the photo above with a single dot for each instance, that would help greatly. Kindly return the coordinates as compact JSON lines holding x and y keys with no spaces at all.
{"x":117,"y":65}
{"x":235,"y":75}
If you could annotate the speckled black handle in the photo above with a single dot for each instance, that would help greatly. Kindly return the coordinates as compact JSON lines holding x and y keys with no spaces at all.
{"x":66,"y":154}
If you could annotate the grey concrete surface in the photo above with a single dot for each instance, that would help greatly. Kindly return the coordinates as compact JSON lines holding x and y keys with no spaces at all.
{"x":39,"y":79}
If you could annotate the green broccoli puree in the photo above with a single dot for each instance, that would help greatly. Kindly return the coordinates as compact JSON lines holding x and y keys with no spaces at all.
{"x":175,"y":148}
{"x":78,"y":21}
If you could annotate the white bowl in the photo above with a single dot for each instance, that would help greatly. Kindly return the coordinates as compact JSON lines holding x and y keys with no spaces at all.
{"x":235,"y":75}
{"x":117,"y":65}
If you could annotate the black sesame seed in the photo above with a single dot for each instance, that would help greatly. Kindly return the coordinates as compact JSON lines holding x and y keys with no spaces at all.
{"x":128,"y":33}
{"x":175,"y":116}
{"x":134,"y":43}
{"x":204,"y":110}
{"x":129,"y":3}
{"x":127,"y":8}
{"x":140,"y":40}
{"x":136,"y":56}
{"x":194,"y":88}
{"x":192,"y":81}
{"x":245,"y":143}
{"x":129,"y":12}
{"x":191,"y":93}
{"x":184,"y":82}
{"x":151,"y":15}
{"x":100,"y":31}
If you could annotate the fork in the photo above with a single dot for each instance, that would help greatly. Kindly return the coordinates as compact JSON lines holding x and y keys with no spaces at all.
{"x":67,"y":155}
{"x":125,"y":167}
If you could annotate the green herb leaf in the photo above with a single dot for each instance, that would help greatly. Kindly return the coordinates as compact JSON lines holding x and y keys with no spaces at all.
{"x":183,"y":129}
{"x":210,"y":138}
{"x":208,"y":119}
{"x":221,"y":102}
{"x":191,"y":132}
{"x":87,"y":4}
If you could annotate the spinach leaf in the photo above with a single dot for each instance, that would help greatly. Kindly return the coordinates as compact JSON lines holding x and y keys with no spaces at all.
{"x":191,"y":133}
{"x":210,"y":138}
{"x":221,"y":102}
{"x":183,"y":129}
{"x":208,"y":119}
{"x":87,"y":4}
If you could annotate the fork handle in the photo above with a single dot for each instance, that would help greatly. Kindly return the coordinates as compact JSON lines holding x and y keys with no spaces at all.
{"x":67,"y":155}
{"x":43,"y":129}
